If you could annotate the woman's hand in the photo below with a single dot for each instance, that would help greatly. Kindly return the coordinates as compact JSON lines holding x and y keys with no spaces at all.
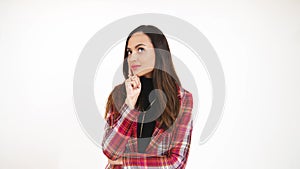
{"x":133,"y":88}
{"x":116,"y":162}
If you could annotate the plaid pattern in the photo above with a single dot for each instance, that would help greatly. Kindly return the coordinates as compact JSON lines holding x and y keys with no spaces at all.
{"x":168,"y":149}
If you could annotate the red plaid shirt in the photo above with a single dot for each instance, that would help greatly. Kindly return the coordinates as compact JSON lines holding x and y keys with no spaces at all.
{"x":168,"y":149}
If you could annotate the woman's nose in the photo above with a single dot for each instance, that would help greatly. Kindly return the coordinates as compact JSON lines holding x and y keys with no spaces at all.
{"x":133,"y":56}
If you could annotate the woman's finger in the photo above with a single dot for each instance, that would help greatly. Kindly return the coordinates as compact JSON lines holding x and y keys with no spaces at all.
{"x":131,"y":83}
{"x":137,"y":81}
{"x":134,"y":83}
{"x":128,"y":85}
{"x":129,"y":70}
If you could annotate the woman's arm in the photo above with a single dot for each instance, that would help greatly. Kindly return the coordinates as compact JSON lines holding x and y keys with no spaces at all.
{"x":117,"y":131}
{"x":180,"y":145}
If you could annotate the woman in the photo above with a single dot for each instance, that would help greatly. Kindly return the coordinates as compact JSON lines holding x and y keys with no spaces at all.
{"x":149,"y":115}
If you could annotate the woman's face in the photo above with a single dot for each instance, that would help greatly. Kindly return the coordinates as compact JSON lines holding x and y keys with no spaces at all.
{"x":141,"y":54}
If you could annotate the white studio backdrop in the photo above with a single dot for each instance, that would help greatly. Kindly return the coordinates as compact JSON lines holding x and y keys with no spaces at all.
{"x":258,"y":44}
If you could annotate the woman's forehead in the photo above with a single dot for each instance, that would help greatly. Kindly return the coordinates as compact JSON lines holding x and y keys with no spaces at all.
{"x":139,"y":38}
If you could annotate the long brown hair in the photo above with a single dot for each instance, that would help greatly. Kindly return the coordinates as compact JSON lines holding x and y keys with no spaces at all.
{"x":164,"y":78}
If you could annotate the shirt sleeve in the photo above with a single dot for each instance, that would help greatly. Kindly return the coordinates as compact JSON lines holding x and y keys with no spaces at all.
{"x":179,"y":149}
{"x":117,"y":131}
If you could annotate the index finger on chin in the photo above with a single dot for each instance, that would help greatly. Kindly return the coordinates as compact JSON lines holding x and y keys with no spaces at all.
{"x":129,"y":69}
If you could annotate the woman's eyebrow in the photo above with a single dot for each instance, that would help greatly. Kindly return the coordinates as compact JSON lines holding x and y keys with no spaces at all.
{"x":140,"y":44}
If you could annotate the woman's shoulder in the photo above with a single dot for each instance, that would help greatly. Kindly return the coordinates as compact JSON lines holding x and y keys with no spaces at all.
{"x":186,"y":107}
{"x":184,"y":93}
{"x":186,"y":98}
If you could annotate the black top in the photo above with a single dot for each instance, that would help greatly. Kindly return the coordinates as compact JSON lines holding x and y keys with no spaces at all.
{"x":148,"y":125}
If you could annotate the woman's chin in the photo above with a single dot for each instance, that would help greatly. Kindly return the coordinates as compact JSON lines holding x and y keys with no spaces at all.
{"x":138,"y":73}
{"x":141,"y":72}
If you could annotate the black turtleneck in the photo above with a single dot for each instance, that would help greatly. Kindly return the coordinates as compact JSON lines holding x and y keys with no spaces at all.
{"x":149,"y":125}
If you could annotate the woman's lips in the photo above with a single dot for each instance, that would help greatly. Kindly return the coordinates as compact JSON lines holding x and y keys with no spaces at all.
{"x":135,"y":66}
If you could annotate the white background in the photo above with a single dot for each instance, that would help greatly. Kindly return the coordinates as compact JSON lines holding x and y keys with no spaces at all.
{"x":258,"y":44}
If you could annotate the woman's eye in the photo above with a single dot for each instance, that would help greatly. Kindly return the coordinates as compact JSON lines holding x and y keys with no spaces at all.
{"x":128,"y":52}
{"x":141,"y":49}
